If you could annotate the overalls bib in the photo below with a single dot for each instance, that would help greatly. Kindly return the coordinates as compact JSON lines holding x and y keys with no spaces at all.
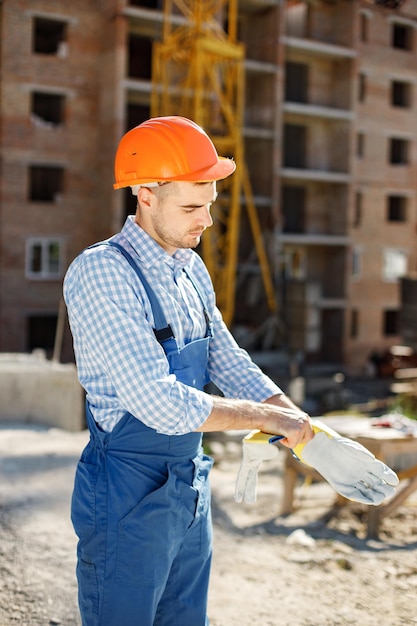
{"x":141,"y":510}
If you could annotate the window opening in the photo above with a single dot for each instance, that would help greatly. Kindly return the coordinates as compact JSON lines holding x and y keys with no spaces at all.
{"x":360,"y":145}
{"x":364,"y":27}
{"x":395,"y":264}
{"x":293,"y":209}
{"x":140,"y":57}
{"x":136,"y":114}
{"x":356,"y":260}
{"x":43,"y":258}
{"x":397,"y":208}
{"x":48,"y":35}
{"x":45,"y":183}
{"x":294,"y":264}
{"x":362,"y":87}
{"x":48,"y":108}
{"x":296,"y":82}
{"x":147,"y":4}
{"x":357,"y":218}
{"x":295,"y":137}
{"x":401,"y":37}
{"x":354,"y":323}
{"x":398,"y":151}
{"x":41,"y":331}
{"x":400,"y":94}
{"x":391,"y":322}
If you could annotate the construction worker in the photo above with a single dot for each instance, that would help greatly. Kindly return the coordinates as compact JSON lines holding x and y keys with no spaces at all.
{"x":147,"y":338}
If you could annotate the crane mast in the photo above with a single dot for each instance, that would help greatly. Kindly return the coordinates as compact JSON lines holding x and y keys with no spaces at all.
{"x":198,"y":72}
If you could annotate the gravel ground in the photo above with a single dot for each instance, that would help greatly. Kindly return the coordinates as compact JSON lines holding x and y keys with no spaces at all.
{"x":267,"y":571}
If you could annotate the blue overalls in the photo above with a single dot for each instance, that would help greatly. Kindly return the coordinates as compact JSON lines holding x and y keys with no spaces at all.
{"x":141,"y":510}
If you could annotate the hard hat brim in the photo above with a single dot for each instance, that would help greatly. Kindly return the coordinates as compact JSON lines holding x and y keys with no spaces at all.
{"x":220,"y":170}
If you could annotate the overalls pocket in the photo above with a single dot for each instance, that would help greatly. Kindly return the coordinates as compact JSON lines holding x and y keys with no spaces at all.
{"x":83,"y":505}
{"x":150,"y":534}
{"x":88,"y":596}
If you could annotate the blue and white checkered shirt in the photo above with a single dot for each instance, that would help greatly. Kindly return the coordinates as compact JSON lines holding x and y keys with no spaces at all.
{"x":120,"y":363}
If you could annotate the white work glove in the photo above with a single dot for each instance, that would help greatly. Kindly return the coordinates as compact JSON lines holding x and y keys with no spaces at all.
{"x":351,"y":469}
{"x":347,"y":466}
{"x":254,"y":451}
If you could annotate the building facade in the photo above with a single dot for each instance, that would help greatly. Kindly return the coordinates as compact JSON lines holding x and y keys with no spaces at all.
{"x":330,"y":134}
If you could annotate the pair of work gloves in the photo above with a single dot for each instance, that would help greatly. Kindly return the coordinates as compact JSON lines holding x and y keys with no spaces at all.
{"x":351,"y":469}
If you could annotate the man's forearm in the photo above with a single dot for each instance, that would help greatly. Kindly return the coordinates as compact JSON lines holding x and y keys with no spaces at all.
{"x":278,"y":415}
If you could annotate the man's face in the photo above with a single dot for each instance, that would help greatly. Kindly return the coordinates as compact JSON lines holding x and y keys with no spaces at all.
{"x":179,"y":218}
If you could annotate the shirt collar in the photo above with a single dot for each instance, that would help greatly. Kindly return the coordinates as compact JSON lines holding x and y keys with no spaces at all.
{"x":149,"y":251}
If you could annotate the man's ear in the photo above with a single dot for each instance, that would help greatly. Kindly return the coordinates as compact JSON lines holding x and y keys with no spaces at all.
{"x":145,"y":197}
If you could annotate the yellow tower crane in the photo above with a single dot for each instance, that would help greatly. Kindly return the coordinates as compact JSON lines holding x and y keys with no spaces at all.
{"x":198,"y":72}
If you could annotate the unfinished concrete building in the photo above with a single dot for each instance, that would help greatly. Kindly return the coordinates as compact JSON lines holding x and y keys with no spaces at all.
{"x":330,"y":138}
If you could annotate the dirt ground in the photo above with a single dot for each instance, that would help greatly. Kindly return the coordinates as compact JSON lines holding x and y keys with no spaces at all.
{"x":268,"y":570}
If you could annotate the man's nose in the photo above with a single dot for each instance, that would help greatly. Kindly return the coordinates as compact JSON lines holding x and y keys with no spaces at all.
{"x":206,"y":218}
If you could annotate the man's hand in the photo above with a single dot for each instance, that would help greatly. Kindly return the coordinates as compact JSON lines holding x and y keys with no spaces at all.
{"x":291,"y":423}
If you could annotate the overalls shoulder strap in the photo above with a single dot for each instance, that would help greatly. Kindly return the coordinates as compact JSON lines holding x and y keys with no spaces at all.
{"x":162,"y":330}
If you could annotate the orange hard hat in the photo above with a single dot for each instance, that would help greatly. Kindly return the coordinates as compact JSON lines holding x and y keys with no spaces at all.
{"x":168,"y":149}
